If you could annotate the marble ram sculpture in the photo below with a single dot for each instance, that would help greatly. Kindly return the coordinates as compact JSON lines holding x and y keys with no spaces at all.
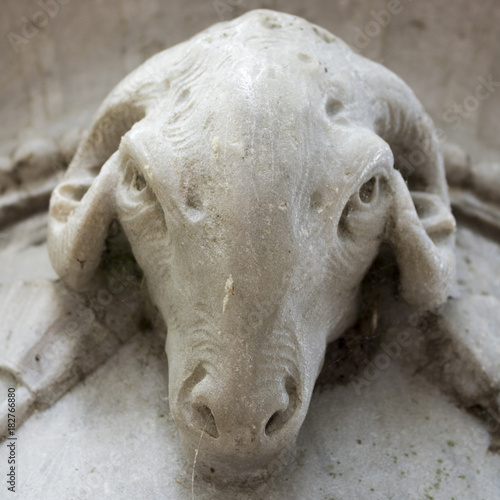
{"x":252,"y":170}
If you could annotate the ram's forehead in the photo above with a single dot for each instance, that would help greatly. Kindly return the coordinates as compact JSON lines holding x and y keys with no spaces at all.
{"x":252,"y":63}
{"x":260,"y":113}
{"x":262,"y":133}
{"x":250,"y":103}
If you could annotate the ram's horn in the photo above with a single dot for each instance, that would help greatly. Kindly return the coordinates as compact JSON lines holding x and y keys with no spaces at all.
{"x":81,"y":207}
{"x":422,"y":230}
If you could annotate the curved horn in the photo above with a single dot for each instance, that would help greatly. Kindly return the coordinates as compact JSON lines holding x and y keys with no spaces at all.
{"x":81,"y":206}
{"x":399,"y":118}
{"x":422,"y":229}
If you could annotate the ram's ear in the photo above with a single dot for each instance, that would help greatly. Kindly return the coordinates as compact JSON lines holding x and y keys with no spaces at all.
{"x":422,"y":227}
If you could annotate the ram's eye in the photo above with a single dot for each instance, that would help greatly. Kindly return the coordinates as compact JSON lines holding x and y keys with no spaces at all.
{"x":359,"y":207}
{"x":368,"y":191}
{"x":138,"y":181}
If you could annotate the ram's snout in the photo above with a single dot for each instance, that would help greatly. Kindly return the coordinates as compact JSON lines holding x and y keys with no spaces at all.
{"x":239,"y":428}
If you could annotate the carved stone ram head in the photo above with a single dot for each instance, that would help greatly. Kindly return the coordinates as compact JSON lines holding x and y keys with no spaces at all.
{"x":252,"y":169}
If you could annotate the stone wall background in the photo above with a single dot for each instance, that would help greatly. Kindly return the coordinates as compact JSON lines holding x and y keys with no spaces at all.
{"x":56,"y":75}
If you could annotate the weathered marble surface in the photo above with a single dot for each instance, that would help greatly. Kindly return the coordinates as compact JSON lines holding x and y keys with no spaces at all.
{"x":441,"y":50}
{"x":256,"y":171}
{"x":413,"y":441}
{"x":78,"y":457}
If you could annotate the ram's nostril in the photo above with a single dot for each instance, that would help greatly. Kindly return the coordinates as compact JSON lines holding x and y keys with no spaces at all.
{"x":275,"y":423}
{"x":208,"y":424}
{"x":280,"y":418}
